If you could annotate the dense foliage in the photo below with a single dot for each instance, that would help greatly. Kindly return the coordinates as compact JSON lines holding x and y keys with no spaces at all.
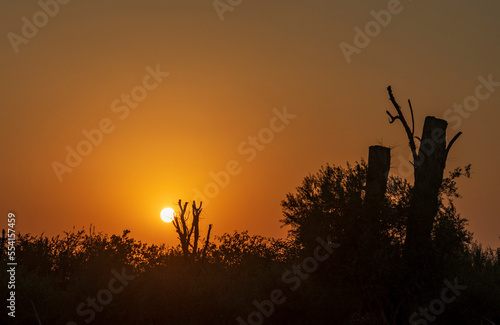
{"x":360,"y":282}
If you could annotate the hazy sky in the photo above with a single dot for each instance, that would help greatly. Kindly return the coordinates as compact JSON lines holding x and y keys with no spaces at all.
{"x":176,"y":92}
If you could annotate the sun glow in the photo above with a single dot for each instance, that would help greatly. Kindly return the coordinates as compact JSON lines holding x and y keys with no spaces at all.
{"x":167,"y":214}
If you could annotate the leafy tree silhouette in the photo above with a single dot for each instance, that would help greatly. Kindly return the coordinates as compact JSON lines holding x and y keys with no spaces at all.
{"x":330,"y":202}
{"x":391,"y":232}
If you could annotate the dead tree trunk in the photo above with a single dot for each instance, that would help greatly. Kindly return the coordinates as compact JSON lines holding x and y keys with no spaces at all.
{"x":429,"y":168}
{"x":369,"y":232}
{"x":190,"y":235}
{"x":429,"y":164}
{"x":379,"y":163}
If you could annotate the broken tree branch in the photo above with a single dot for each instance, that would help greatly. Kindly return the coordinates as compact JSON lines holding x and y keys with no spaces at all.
{"x":393,"y":118}
{"x":207,"y":241}
{"x":412,"y":119}
{"x":401,"y":117}
{"x":451,"y":143}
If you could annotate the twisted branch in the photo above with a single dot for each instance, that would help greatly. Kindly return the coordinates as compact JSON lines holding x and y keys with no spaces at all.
{"x":401,"y":117}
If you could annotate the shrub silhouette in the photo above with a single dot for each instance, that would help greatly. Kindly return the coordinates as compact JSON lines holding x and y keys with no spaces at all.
{"x":358,"y":284}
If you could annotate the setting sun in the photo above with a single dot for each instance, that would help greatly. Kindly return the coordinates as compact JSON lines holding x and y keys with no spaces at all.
{"x":167,"y":214}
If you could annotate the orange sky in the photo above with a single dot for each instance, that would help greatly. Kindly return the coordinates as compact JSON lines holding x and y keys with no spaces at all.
{"x":224,"y":80}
